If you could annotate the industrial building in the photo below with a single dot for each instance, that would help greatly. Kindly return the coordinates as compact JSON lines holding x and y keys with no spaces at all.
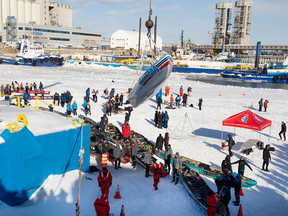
{"x":129,"y":39}
{"x":242,"y":23}
{"x":222,"y":29}
{"x":52,"y":23}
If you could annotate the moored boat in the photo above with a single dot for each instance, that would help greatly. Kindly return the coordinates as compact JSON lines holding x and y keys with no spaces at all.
{"x":198,"y":188}
{"x":207,"y":170}
{"x":32,"y":54}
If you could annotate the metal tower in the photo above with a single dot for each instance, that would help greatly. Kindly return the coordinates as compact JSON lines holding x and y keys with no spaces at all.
{"x":242,"y":22}
{"x":222,"y":29}
{"x":11,"y":29}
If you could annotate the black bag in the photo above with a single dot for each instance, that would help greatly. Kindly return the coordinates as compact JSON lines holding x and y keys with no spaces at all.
{"x":260,"y":145}
{"x":272,"y":149}
{"x":247,"y":151}
{"x":191,"y":105}
{"x":233,"y":142}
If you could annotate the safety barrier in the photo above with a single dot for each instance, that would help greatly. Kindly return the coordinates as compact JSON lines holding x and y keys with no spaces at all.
{"x":17,"y":97}
{"x":36,"y":106}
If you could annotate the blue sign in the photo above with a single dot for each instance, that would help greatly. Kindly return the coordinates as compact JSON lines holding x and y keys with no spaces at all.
{"x":37,"y":33}
{"x":11,"y":17}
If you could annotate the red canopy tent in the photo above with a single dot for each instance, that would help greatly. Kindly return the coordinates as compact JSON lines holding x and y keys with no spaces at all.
{"x":248,"y":120}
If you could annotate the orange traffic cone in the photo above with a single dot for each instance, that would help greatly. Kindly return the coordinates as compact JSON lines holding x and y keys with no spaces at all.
{"x":241,"y":192}
{"x":244,"y":94}
{"x":251,"y":105}
{"x":117,"y":194}
{"x":122,"y":211}
{"x":240,"y":213}
{"x":220,"y":94}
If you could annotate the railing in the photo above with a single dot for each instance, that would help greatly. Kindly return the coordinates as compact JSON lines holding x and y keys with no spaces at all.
{"x":36,"y":106}
{"x":17,"y":97}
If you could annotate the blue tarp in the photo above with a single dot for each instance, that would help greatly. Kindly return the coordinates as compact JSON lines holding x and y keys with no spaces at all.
{"x":27,"y":161}
{"x":159,"y":94}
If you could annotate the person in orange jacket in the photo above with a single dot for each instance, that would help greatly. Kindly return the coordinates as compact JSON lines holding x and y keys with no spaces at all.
{"x":102,"y":206}
{"x":105,"y":181}
{"x":171,"y":100}
{"x":167,"y":89}
{"x":157,"y":170}
{"x":181,"y":91}
{"x":212,"y":201}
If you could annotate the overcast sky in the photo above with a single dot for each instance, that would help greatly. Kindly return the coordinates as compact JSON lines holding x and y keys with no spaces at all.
{"x":196,"y":18}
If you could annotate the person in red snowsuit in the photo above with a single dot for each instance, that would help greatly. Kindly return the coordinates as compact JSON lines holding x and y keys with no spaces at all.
{"x":101,"y":205}
{"x":181,"y":91}
{"x":126,"y":130}
{"x":171,"y":100}
{"x":212,"y":201}
{"x":105,"y":181}
{"x":157,"y":171}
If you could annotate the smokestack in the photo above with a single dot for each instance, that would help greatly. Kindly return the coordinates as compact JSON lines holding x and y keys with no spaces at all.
{"x":258,"y":48}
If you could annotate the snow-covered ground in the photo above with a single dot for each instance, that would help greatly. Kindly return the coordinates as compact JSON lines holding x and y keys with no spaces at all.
{"x":57,"y":196}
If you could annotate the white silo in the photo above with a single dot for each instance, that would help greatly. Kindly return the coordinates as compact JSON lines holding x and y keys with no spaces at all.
{"x":1,"y":15}
{"x":21,"y":11}
{"x":36,"y":13}
{"x":28,"y":12}
{"x":5,"y":10}
{"x":14,"y":8}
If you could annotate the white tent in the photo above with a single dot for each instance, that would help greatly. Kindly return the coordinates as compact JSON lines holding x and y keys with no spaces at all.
{"x":129,"y":39}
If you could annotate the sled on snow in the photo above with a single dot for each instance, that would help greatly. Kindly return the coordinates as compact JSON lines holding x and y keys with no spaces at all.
{"x":97,"y":147}
{"x":198,"y":188}
{"x":207,"y":170}
{"x":169,"y":107}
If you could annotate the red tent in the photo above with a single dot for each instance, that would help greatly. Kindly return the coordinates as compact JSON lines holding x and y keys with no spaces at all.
{"x":248,"y":120}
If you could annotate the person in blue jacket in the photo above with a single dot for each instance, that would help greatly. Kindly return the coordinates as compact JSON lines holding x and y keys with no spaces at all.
{"x":178,"y":99}
{"x":26,"y":97}
{"x":68,"y":109}
{"x":85,"y":106}
{"x":74,"y":108}
{"x":63,"y":99}
{"x":166,"y":118}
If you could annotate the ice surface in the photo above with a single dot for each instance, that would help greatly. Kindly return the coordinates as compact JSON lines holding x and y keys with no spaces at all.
{"x":57,"y":196}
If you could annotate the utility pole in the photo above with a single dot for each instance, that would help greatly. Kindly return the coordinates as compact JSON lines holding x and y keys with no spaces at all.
{"x":215,"y":44}
{"x":139,"y":55}
{"x":182,"y":31}
{"x":155,"y":36}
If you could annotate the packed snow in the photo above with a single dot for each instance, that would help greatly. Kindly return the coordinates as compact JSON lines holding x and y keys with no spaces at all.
{"x":58,"y":194}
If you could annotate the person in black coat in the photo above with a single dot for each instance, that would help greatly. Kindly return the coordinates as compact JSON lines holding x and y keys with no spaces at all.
{"x":200,"y":103}
{"x":260,"y":104}
{"x":159,"y":142}
{"x":231,"y":143}
{"x":166,"y":140}
{"x":283,"y":131}
{"x":159,"y":120}
{"x":266,"y":157}
{"x":156,"y":118}
{"x":185,"y":99}
{"x":159,"y":102}
{"x":241,"y":168}
{"x":121,"y":99}
{"x":103,"y":122}
{"x":223,"y":189}
{"x":237,"y":187}
{"x":127,"y":118}
{"x":226,"y":166}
